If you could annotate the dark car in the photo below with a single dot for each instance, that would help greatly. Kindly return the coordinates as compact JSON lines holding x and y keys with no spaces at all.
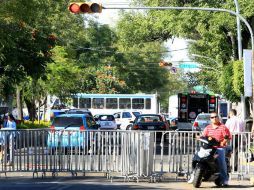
{"x":150,"y":122}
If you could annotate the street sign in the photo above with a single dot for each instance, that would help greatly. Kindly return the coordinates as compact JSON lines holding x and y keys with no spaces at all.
{"x":188,"y":66}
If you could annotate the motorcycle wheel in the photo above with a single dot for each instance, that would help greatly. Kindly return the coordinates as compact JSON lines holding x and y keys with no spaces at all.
{"x":198,"y":177}
{"x":218,"y":182}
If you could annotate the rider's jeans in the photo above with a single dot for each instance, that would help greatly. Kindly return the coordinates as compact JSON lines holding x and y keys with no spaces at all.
{"x":222,"y":164}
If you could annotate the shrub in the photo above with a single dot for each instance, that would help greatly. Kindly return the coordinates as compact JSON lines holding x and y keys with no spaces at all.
{"x":33,"y":125}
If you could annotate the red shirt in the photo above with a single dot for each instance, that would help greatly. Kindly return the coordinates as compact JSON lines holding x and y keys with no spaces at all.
{"x":219,"y":133}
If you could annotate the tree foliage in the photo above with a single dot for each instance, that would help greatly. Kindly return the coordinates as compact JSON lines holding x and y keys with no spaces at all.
{"x":45,"y":49}
{"x":213,"y":34}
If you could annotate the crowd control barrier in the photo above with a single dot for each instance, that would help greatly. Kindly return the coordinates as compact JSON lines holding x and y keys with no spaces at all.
{"x":137,"y":154}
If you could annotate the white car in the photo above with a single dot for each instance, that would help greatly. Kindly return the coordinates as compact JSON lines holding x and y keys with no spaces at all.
{"x":124,"y":118}
{"x":106,"y":121}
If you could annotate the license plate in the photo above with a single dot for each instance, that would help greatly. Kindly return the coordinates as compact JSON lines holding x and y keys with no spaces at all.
{"x":150,"y":127}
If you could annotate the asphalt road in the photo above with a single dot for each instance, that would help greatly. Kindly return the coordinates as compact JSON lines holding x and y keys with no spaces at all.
{"x":95,"y":183}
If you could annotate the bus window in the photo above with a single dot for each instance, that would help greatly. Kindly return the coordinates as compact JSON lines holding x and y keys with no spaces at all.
{"x":111,"y":103}
{"x":98,"y":103}
{"x":138,"y":103}
{"x":148,"y":103}
{"x":85,"y":103}
{"x":124,"y":103}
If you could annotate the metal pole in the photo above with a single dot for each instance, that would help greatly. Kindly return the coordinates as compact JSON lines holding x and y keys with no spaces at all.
{"x":239,"y":36}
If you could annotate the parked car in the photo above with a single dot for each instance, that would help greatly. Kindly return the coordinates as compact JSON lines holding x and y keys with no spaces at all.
{"x":124,"y":118}
{"x":70,"y":130}
{"x":201,"y":121}
{"x":106,"y":121}
{"x":150,"y":122}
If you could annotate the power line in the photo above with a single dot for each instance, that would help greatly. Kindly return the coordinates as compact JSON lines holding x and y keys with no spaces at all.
{"x":118,"y":52}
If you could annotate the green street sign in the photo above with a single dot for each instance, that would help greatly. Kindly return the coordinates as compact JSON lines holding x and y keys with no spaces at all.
{"x":188,"y":66}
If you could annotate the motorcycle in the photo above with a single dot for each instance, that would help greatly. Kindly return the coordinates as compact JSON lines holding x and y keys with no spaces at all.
{"x":204,"y":163}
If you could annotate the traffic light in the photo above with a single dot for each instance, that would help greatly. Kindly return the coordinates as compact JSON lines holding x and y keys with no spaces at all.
{"x":163,"y":63}
{"x":88,"y":7}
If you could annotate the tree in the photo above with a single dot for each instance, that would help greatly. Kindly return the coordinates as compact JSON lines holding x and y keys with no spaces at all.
{"x":213,"y":34}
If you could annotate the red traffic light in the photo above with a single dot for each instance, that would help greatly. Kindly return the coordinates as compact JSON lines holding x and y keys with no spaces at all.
{"x":74,"y":8}
{"x":87,"y":7}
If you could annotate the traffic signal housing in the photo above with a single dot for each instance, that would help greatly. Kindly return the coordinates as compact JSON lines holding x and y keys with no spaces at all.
{"x":165,"y":64}
{"x":87,"y":7}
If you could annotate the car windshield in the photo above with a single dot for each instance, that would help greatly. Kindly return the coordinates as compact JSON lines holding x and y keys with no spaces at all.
{"x":203,"y":117}
{"x":67,"y":122}
{"x":106,"y":118}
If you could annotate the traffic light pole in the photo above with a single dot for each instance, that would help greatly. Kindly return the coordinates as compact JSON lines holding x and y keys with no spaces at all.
{"x":239,"y":17}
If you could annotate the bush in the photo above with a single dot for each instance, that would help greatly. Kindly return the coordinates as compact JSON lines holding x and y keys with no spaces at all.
{"x":33,"y":125}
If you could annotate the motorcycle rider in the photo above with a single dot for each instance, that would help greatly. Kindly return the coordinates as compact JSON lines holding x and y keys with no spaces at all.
{"x":221,"y":133}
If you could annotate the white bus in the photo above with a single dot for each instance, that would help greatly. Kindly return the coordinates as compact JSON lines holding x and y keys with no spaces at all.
{"x":112,"y":103}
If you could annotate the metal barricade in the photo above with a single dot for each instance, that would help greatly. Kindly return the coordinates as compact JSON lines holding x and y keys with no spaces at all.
{"x":116,"y":153}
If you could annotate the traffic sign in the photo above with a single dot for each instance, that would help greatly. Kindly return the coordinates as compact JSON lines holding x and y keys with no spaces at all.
{"x":188,"y":66}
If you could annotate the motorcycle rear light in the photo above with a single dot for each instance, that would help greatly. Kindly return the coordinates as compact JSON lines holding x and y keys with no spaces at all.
{"x":135,"y":127}
{"x":195,"y":124}
{"x":82,"y":128}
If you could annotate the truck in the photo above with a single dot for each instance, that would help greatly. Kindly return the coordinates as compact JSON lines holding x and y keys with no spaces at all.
{"x":191,"y":104}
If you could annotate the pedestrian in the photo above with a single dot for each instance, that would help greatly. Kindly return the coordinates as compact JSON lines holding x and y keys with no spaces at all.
{"x":9,"y":139}
{"x":2,"y":135}
{"x":220,"y":132}
{"x":235,"y":126}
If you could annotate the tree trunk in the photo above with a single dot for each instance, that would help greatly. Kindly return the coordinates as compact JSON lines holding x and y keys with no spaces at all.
{"x":9,"y":103}
{"x":19,"y":104}
{"x":31,"y":107}
{"x":233,"y":43}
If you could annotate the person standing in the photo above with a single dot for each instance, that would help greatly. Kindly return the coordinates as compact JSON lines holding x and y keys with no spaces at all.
{"x":10,"y":138}
{"x":235,"y":126}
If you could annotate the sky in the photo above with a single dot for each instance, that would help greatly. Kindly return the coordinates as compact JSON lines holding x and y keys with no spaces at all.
{"x":110,"y":16}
